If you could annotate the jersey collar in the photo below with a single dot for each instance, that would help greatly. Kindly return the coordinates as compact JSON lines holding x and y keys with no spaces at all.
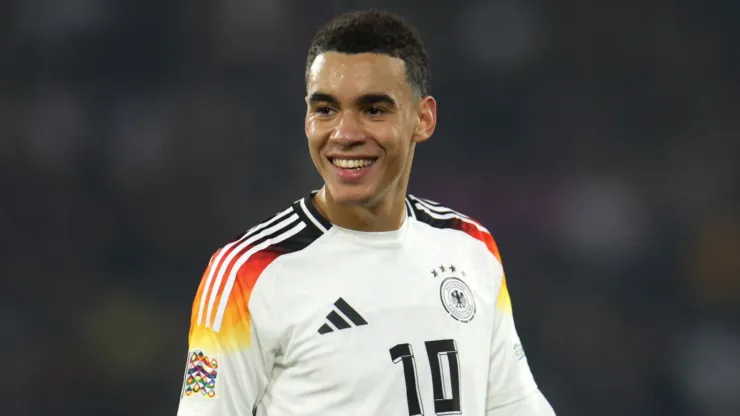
{"x":312,"y":214}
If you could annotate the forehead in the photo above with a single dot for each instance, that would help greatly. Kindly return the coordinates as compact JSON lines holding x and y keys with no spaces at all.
{"x":356,"y":74}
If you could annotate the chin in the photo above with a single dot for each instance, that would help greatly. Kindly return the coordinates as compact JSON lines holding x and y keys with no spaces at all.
{"x":352,"y":195}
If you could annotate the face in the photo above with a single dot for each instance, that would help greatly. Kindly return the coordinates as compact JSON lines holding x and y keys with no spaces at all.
{"x":362,"y":123}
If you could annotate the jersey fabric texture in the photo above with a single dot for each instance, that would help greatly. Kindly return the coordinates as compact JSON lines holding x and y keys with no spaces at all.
{"x":302,"y":317}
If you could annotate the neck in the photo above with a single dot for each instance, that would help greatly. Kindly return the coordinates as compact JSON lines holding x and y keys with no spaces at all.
{"x":385,"y":215}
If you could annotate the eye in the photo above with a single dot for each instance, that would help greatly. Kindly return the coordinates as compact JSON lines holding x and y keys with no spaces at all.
{"x":324,"y":110}
{"x":375,"y":111}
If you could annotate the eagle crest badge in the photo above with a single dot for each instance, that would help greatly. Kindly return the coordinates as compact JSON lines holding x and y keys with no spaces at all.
{"x":456,"y":296}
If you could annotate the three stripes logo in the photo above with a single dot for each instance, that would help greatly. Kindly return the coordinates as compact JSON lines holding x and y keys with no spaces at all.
{"x":341,"y":321}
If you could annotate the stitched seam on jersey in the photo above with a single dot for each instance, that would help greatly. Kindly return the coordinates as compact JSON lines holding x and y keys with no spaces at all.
{"x":268,"y":278}
{"x":261,"y":396}
{"x":534,"y":386}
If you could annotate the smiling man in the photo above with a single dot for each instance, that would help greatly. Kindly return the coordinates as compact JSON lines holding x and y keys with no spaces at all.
{"x":360,"y":299}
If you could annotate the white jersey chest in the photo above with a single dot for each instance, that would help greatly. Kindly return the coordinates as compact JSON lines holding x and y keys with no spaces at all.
{"x":399,"y":325}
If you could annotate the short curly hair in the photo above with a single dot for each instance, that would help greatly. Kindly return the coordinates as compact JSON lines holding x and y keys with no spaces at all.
{"x":375,"y":31}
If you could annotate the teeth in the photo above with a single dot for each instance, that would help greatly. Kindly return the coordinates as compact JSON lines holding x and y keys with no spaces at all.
{"x":352,"y":163}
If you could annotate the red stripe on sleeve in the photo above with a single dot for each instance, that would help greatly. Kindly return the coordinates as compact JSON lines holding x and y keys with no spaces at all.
{"x":234,"y":330}
{"x":480,"y":235}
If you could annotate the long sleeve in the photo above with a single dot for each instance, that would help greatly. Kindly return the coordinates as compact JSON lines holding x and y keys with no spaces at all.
{"x":229,"y":358}
{"x":533,"y":405}
{"x":511,"y":386}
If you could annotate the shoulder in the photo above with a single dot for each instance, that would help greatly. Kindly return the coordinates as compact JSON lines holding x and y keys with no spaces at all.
{"x":439,"y":216}
{"x":238,"y":265}
{"x":287,"y":231}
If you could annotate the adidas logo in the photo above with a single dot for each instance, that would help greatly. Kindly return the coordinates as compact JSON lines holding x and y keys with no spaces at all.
{"x":341,"y":321}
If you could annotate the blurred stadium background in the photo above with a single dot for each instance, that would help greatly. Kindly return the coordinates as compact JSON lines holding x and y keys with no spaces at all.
{"x":599,"y":141}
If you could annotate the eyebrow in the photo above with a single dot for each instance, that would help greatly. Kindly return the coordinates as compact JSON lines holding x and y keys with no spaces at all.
{"x":370,"y":99}
{"x":364,"y":100}
{"x":320,"y":97}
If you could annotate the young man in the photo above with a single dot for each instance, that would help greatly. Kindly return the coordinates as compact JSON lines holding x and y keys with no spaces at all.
{"x":360,"y":299}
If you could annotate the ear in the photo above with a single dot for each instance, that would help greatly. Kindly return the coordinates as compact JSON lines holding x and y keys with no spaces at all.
{"x":427,"y":121}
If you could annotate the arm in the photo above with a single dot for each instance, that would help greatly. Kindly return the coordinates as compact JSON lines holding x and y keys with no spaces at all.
{"x":229,"y":355}
{"x":533,"y":405}
{"x":512,"y":390}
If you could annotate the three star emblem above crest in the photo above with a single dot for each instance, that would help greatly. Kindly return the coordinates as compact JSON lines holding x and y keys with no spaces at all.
{"x":456,"y":296}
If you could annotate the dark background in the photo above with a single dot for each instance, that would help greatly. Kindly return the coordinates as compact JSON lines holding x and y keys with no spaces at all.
{"x":599,"y":142}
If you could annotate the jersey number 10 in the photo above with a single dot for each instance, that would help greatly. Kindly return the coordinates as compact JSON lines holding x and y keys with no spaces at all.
{"x":443,"y":405}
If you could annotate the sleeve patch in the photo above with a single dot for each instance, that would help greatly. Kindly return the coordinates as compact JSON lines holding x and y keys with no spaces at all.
{"x":519,"y":351}
{"x":200,"y":376}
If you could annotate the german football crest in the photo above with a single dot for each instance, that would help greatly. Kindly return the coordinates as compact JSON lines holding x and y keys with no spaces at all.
{"x":456,"y":296}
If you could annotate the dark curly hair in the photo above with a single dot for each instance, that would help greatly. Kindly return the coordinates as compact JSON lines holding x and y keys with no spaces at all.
{"x":375,"y":31}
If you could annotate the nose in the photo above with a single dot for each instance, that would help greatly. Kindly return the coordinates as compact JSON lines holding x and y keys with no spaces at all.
{"x":348,"y":129}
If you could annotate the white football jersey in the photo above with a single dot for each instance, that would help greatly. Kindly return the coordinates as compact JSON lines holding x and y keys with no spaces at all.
{"x":302,"y":317}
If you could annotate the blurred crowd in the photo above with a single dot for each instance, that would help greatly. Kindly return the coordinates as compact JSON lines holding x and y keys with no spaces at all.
{"x":599,"y":141}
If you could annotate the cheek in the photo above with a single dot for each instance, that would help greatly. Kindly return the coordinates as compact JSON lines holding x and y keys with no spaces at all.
{"x":310,"y":129}
{"x":397,"y":150}
{"x":314,"y":135}
{"x":398,"y":141}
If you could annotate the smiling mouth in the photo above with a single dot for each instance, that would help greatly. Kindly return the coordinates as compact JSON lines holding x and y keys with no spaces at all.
{"x":353,"y":163}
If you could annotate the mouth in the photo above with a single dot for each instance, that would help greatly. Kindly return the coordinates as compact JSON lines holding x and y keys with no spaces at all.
{"x":352,"y":163}
{"x":352,"y":169}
